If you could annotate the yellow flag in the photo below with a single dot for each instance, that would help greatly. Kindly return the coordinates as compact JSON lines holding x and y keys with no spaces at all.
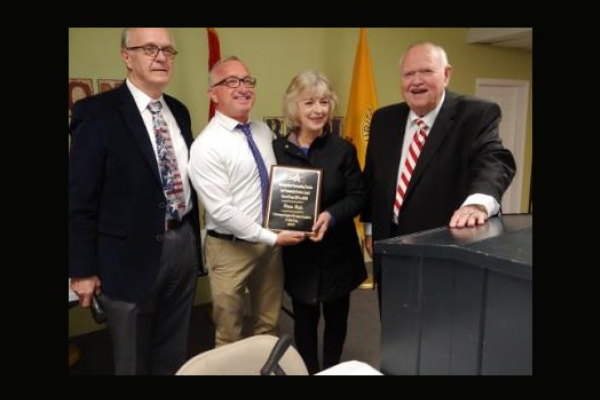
{"x":362,"y":101}
{"x":361,"y":105}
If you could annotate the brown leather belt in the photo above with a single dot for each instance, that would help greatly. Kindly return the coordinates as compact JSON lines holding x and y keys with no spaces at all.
{"x":223,"y":236}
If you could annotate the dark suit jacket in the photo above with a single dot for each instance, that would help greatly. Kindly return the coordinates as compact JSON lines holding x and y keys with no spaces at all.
{"x":463,"y":155}
{"x":116,"y":199}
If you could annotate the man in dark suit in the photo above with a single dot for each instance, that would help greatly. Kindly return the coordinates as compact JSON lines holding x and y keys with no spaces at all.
{"x":125,"y":243}
{"x":462,"y":170}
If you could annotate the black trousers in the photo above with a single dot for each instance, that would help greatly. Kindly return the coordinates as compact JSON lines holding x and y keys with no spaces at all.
{"x":306,"y":322}
{"x":150,"y":337}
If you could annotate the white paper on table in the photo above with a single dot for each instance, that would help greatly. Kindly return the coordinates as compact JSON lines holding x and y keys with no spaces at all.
{"x":350,"y":368}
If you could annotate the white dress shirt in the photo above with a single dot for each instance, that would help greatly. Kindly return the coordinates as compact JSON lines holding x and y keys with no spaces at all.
{"x":223,"y":172}
{"x":181,"y":151}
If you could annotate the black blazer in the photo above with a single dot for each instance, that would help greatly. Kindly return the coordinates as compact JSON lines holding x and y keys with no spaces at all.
{"x":331,"y":268}
{"x":463,"y":155}
{"x":116,"y":199}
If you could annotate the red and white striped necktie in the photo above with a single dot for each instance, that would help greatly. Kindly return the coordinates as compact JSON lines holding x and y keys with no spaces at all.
{"x":414,"y":150}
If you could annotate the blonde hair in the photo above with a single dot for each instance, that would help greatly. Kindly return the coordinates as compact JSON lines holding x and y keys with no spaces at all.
{"x":314,"y":82}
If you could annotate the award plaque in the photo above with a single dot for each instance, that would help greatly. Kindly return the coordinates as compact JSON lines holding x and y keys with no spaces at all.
{"x":294,"y":197}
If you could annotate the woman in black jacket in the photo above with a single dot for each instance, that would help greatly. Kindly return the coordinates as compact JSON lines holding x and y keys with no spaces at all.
{"x":324,"y":270}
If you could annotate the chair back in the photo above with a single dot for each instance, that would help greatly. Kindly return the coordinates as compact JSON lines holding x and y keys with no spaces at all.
{"x":244,"y":357}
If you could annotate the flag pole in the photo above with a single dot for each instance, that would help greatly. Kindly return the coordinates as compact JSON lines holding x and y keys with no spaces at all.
{"x":362,"y":102}
{"x":214,"y":55}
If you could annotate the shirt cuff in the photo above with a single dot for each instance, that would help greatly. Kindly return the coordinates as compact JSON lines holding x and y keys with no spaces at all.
{"x":491,"y":204}
{"x":267,"y":236}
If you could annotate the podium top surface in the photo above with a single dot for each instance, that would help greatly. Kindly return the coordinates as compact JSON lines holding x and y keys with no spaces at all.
{"x":503,"y":242}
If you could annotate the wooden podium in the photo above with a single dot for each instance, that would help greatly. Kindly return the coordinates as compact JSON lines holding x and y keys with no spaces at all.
{"x":458,"y":301}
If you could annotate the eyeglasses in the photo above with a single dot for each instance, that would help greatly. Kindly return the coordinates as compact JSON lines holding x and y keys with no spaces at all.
{"x":152,"y":50}
{"x":233,"y":82}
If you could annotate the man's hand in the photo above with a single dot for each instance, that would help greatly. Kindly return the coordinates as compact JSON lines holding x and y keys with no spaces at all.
{"x":287,"y":238}
{"x":468,"y":216}
{"x":84,"y":288}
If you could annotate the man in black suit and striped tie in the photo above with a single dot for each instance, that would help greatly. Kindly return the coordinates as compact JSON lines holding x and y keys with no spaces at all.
{"x":462,"y":170}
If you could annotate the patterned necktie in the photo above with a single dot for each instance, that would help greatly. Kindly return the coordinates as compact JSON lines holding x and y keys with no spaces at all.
{"x":167,"y":163}
{"x":414,"y":151}
{"x":262,"y":169}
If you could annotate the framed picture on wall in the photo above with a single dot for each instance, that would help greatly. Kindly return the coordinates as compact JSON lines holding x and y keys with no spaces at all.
{"x":105,"y":85}
{"x":276,"y":124}
{"x":79,"y":88}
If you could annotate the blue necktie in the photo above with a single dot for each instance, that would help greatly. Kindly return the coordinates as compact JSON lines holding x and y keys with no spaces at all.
{"x":167,"y":163}
{"x":262,"y":169}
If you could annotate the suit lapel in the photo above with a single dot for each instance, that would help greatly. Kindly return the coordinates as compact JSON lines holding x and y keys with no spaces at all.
{"x":395,"y":149}
{"x":136,"y":127}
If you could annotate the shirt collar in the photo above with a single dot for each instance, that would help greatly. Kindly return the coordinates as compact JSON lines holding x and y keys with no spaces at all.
{"x":227,"y":122}
{"x":141,"y":99}
{"x":430,"y":117}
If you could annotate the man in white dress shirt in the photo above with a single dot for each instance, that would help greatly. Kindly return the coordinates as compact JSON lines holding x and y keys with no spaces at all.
{"x":240,"y":253}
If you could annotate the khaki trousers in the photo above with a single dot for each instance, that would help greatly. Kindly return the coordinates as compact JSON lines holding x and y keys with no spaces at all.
{"x":234,"y":267}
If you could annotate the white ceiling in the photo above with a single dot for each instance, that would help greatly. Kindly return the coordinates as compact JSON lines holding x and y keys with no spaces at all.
{"x":505,"y":37}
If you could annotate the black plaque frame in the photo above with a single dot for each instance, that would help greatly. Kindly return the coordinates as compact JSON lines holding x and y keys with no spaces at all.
{"x":294,"y":198}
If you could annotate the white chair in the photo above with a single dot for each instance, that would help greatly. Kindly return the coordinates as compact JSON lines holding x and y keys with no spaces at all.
{"x":244,"y":357}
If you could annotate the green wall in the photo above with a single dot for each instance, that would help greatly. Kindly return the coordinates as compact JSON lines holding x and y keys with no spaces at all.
{"x":274,"y":55}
